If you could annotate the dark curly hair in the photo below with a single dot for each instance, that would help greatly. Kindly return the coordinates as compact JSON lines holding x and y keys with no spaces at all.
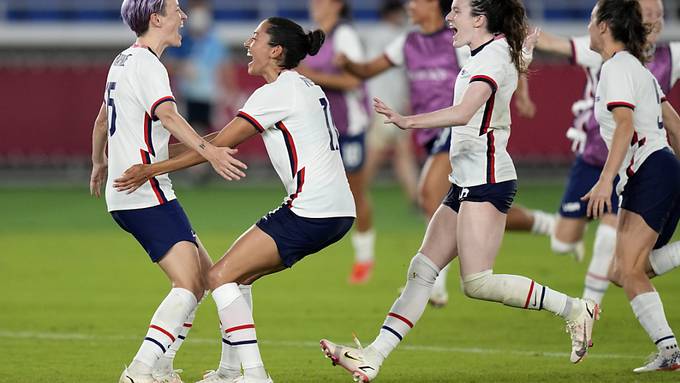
{"x":624,"y":18}
{"x":509,"y":18}
{"x":295,"y":42}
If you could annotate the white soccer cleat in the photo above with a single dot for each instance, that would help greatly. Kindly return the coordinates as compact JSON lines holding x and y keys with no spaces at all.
{"x":438,"y":298}
{"x":544,"y":223}
{"x":581,"y":329}
{"x":351,"y":359}
{"x":171,"y":376}
{"x":127,"y":377}
{"x":243,"y":379}
{"x":211,"y":376}
{"x":659,"y":362}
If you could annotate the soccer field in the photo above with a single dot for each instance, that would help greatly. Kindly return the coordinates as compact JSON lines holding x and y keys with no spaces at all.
{"x":78,"y":292}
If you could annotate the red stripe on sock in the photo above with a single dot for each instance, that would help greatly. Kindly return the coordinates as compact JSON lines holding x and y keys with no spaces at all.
{"x":598,"y":277}
{"x":242,"y":327}
{"x":531,"y":290}
{"x":188,"y":325}
{"x":153,"y":326}
{"x":401,"y":318}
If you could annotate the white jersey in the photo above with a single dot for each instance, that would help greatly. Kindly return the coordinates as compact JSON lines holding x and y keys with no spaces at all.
{"x":625,"y":82}
{"x":294,"y":117}
{"x":478,"y":150}
{"x":137,"y":83}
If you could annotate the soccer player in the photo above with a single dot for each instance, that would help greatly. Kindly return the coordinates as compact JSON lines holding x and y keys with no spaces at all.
{"x":136,"y":119}
{"x":629,"y":106}
{"x":293,"y":115}
{"x":471,"y":220}
{"x":592,"y":153}
{"x":349,"y":106}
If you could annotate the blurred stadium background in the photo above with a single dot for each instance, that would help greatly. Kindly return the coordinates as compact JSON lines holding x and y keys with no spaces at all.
{"x":54,"y":55}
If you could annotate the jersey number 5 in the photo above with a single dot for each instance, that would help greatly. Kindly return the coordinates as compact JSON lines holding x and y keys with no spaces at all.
{"x":110,"y":87}
{"x":332,"y":131}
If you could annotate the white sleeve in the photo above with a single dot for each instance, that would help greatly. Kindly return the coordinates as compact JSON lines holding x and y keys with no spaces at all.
{"x":582,"y":54}
{"x":675,"y":61}
{"x":268,"y":105}
{"x":489,"y":70}
{"x":395,"y":50}
{"x":463,"y":55}
{"x":152,"y":84}
{"x":347,"y":42}
{"x":618,"y":86}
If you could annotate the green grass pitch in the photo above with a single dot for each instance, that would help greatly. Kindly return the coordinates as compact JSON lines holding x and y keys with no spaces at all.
{"x":77,"y":294}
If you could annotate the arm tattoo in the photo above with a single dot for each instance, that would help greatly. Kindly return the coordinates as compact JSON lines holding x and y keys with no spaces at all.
{"x":202,"y":146}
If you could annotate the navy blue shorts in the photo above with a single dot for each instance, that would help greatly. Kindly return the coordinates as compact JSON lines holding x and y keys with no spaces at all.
{"x":582,"y":177}
{"x":500,"y":195}
{"x":653,"y":192}
{"x":297,"y":237}
{"x":439,"y":144}
{"x":353,"y":152}
{"x":156,"y":228}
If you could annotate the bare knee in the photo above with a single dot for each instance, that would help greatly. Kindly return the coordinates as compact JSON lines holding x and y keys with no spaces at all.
{"x":193,"y":283}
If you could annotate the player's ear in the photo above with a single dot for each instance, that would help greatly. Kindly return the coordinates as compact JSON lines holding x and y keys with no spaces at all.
{"x":276,"y":52}
{"x":155,"y":20}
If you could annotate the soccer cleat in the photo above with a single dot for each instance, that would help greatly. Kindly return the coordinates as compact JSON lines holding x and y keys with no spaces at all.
{"x":544,"y":223}
{"x":438,"y":298}
{"x":171,"y":376}
{"x":361,"y":272}
{"x":351,"y":359}
{"x":581,"y":329}
{"x":211,"y":376}
{"x":243,"y":379}
{"x":659,"y":362}
{"x":127,"y":377}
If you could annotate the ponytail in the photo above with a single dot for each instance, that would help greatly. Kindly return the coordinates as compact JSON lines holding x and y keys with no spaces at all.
{"x":295,"y":42}
{"x":624,"y":18}
{"x":509,"y":18}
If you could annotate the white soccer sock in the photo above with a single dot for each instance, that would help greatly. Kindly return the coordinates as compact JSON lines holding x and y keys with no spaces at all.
{"x":165,"y":363}
{"x":165,"y":326}
{"x":544,"y":223}
{"x":514,"y":291}
{"x":408,"y":308}
{"x":649,"y":311}
{"x":596,"y":282}
{"x":230,"y":363}
{"x":239,"y":328}
{"x":666,"y":258}
{"x":364,"y":245}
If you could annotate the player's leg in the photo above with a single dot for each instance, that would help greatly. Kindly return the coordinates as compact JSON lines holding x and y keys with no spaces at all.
{"x":596,"y":280}
{"x":405,"y":164}
{"x":437,"y":250}
{"x":164,"y":370}
{"x":538,"y":222}
{"x":363,"y":238}
{"x":481,"y":225}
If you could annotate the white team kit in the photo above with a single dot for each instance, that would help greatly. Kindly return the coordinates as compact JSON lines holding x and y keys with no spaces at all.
{"x":625,"y":82}
{"x":484,"y":139}
{"x":294,"y":117}
{"x":136,"y":84}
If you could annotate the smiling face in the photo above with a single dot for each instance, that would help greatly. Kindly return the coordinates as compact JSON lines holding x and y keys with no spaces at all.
{"x":172,"y":22}
{"x":461,"y":21}
{"x":257,"y":47}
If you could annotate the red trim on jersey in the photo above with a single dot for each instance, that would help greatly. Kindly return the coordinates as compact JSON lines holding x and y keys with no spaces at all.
{"x":290,"y":146}
{"x":531,"y":290}
{"x":488,"y":108}
{"x":160,"y":101}
{"x":663,"y":99}
{"x":241,"y":327}
{"x":616,"y":104}
{"x":629,"y":171}
{"x":155,"y":186}
{"x":136,"y":45}
{"x":572,"y":60}
{"x":147,"y":134}
{"x":486,"y":79}
{"x":300,"y":183}
{"x":153,"y":326}
{"x":401,"y":318}
{"x":490,"y":158}
{"x":251,"y":120}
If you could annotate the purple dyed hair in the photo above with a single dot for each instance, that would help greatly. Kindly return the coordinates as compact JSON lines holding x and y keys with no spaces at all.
{"x":136,"y":13}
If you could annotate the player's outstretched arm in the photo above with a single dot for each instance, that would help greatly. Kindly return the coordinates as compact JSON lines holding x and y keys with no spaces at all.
{"x":340,"y":81}
{"x":237,"y":131}
{"x":523,"y":102}
{"x":99,"y":160}
{"x":550,"y":43}
{"x":671,"y":122}
{"x":178,"y":148}
{"x":363,"y":70}
{"x":220,"y":158}
{"x":475,"y":96}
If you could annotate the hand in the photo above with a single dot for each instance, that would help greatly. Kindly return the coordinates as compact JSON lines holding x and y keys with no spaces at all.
{"x":392,"y":117}
{"x":98,"y":178}
{"x":133,"y":178}
{"x":578,"y":139}
{"x":531,"y":40}
{"x":227,"y":166}
{"x":341,"y":61}
{"x":525,"y":106}
{"x":599,"y":199}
